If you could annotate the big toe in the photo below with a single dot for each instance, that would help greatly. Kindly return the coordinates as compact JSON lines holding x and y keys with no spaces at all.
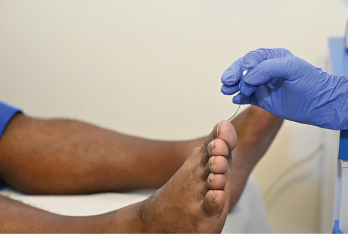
{"x":221,"y":141}
{"x":225,"y":131}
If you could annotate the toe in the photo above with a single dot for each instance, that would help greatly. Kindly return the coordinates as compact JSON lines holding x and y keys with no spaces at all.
{"x":217,"y":164}
{"x":217,"y":147}
{"x":214,"y":201}
{"x":216,"y":181}
{"x":226,"y":132}
{"x":223,"y":130}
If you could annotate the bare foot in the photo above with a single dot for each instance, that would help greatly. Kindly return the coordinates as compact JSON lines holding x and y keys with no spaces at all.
{"x":256,"y":129}
{"x":196,"y":198}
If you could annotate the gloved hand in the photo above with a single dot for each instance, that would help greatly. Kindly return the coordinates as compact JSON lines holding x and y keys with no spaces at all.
{"x":288,"y":87}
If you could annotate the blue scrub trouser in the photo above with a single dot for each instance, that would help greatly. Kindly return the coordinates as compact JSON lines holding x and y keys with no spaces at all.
{"x":6,"y":114}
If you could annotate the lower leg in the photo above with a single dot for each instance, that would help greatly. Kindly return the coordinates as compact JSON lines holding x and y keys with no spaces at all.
{"x":68,"y":157}
{"x":20,"y":218}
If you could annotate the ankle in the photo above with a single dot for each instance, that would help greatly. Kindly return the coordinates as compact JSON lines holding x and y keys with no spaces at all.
{"x":129,"y":219}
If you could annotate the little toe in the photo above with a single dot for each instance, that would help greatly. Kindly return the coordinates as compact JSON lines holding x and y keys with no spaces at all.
{"x":216,"y":181}
{"x":217,"y":164}
{"x":214,"y":201}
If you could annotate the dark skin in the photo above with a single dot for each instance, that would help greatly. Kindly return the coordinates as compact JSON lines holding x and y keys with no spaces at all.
{"x":71,"y":157}
{"x":191,"y":201}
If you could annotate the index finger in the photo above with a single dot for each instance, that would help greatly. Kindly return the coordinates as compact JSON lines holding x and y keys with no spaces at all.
{"x":255,"y":57}
{"x":233,"y":74}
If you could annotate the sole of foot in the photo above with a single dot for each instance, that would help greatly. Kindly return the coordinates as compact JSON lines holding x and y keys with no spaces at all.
{"x":196,"y":198}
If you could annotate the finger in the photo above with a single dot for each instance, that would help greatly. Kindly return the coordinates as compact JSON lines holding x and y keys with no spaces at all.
{"x":241,"y":99}
{"x":255,"y":57}
{"x":252,"y":59}
{"x":230,"y":90}
{"x":269,"y":69}
{"x":232,"y":75}
{"x":244,"y":87}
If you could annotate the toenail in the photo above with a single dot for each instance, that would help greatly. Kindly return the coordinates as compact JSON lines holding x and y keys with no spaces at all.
{"x":211,"y":145}
{"x":210,"y":177}
{"x":217,"y":130}
{"x":213,"y":201}
{"x":211,"y":161}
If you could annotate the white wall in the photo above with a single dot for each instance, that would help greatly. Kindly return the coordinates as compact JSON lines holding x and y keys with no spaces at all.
{"x":152,"y":68}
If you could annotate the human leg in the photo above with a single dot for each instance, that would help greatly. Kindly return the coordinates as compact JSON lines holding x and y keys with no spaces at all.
{"x":68,"y":157}
{"x":195,"y":199}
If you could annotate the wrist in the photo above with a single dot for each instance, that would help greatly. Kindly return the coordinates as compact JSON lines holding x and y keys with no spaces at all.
{"x":337,"y":117}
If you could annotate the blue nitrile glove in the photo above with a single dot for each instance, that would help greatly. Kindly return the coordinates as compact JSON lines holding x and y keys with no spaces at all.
{"x":289,"y":87}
